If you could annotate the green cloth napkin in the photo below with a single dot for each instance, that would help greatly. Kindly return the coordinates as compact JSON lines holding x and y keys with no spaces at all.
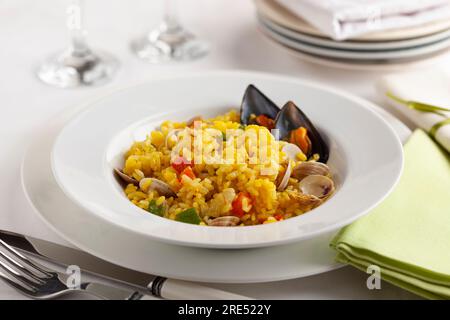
{"x":408,"y":234}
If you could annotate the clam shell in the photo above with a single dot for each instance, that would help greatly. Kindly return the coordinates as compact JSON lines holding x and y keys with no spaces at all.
{"x":225,"y":221}
{"x":161,"y":187}
{"x":317,"y":185}
{"x":285,"y":180}
{"x":124,"y":177}
{"x":291,"y":150}
{"x":306,"y":202}
{"x":309,"y":168}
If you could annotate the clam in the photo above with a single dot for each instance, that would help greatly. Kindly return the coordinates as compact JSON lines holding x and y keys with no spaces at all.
{"x":306,"y":202}
{"x":159,"y":186}
{"x":126,"y":178}
{"x":309,"y":168}
{"x":317,"y":186}
{"x":255,"y":102}
{"x":291,"y":118}
{"x":225,"y":221}
{"x":301,"y":170}
{"x":285,"y":180}
{"x":291,"y":150}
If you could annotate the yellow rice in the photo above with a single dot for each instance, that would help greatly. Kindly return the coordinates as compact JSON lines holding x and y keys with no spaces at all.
{"x":214,"y":182}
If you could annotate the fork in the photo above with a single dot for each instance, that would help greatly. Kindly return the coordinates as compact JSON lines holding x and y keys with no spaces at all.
{"x":38,"y":282}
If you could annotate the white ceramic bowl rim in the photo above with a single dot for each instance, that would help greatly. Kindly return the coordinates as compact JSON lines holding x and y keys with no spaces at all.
{"x":82,"y":165}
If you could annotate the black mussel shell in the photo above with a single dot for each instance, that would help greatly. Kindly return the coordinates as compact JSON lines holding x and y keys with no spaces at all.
{"x":290,"y":118}
{"x":255,"y":102}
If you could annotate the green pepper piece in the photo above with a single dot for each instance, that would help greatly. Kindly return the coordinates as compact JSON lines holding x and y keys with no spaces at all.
{"x":188,"y":216}
{"x":155,"y":209}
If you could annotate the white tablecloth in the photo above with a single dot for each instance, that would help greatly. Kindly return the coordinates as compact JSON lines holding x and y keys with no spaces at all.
{"x":30,"y":30}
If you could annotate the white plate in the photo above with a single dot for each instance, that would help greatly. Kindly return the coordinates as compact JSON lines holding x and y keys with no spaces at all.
{"x":414,"y":52}
{"x":282,"y":16}
{"x":354,"y":45}
{"x":93,"y":143}
{"x":110,"y":242}
{"x":361,"y":65}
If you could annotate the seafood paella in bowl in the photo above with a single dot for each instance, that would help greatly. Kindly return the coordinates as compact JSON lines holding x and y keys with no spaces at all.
{"x":256,"y":165}
{"x":209,"y":160}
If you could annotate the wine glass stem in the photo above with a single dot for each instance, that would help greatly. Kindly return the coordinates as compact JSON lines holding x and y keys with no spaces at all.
{"x":75,"y":24}
{"x":170,"y":19}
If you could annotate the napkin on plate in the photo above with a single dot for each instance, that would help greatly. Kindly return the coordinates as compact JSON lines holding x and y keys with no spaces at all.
{"x":430,"y":86}
{"x":408,"y":235}
{"x":344,"y":19}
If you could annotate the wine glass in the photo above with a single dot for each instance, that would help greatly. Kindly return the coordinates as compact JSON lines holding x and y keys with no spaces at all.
{"x":78,"y":65}
{"x":170,"y":41}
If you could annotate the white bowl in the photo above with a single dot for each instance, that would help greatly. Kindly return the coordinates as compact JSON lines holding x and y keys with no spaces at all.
{"x":365,"y":154}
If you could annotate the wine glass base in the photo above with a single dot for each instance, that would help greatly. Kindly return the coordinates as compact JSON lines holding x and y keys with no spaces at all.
{"x":162,"y":47}
{"x":69,"y":70}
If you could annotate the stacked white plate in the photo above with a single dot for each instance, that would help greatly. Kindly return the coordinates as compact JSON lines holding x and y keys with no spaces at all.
{"x":399,"y":47}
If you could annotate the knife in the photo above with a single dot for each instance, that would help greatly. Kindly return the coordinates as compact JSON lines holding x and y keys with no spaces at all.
{"x":157,"y":286}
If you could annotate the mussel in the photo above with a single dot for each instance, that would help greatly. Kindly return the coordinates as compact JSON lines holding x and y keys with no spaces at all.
{"x":257,"y":103}
{"x":290,"y":119}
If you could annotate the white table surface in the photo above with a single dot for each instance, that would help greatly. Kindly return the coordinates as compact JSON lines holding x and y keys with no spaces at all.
{"x":30,"y":30}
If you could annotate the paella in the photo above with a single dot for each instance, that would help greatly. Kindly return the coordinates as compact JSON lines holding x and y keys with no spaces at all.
{"x":255,"y":165}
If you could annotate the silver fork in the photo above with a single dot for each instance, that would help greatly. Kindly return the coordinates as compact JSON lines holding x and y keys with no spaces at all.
{"x":39,"y":282}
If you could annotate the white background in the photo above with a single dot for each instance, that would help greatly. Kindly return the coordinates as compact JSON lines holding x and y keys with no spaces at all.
{"x":31,"y":30}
